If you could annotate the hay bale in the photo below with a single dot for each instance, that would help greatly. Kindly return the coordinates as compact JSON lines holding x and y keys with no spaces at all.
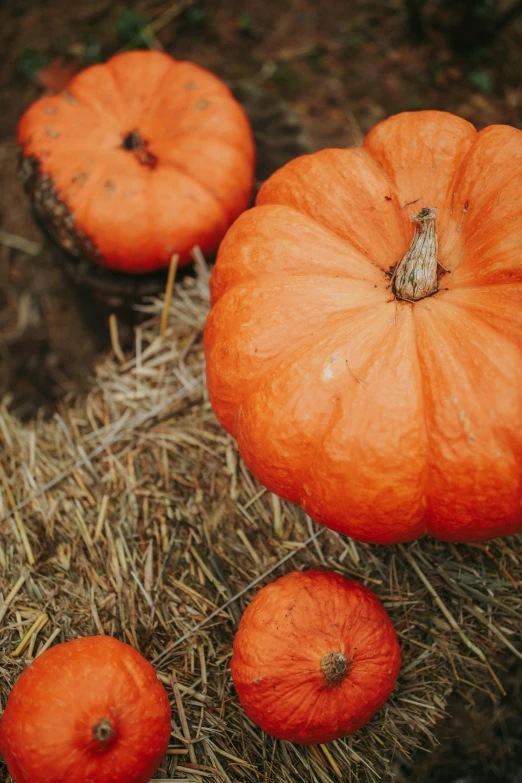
{"x":131,"y":514}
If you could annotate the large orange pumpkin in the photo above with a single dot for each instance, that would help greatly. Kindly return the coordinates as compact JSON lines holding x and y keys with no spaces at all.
{"x":140,"y":158}
{"x":365,"y":341}
{"x":87,"y":711}
{"x":315,"y":656}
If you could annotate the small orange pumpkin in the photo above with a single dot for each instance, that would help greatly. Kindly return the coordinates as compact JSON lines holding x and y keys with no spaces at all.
{"x":365,"y":342}
{"x":88,"y":710}
{"x":139,"y":158}
{"x":315,"y":656}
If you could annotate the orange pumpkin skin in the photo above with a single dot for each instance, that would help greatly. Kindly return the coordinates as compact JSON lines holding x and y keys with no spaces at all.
{"x":278,"y":664}
{"x":384,"y":419}
{"x":140,"y":158}
{"x":48,"y":732}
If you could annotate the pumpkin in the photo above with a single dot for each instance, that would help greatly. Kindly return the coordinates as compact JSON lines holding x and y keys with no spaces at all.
{"x":315,"y":656}
{"x":87,"y":711}
{"x":139,"y":158}
{"x":364,"y":345}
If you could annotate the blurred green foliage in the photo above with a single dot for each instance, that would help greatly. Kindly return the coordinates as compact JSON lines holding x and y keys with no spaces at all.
{"x":130,"y":26}
{"x":245,"y":24}
{"x":30,"y":62}
{"x":193,"y":21}
{"x":482,"y":80}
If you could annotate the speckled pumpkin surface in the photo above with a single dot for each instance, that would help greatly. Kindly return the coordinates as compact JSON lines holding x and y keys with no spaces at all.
{"x":139,"y":158}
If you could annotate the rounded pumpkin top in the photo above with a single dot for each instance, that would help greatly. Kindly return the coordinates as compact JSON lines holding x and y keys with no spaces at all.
{"x":91,"y":709}
{"x":364,"y":346}
{"x":315,"y":656}
{"x":139,"y":158}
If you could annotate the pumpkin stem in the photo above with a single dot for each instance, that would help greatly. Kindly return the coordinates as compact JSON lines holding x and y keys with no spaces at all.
{"x":416,"y":273}
{"x":134,"y":143}
{"x":103,"y":732}
{"x":334,"y":667}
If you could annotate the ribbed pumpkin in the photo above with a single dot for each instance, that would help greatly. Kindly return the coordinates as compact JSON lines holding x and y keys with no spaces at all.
{"x":364,"y":345}
{"x":88,"y":711}
{"x":315,"y":656}
{"x":139,"y":158}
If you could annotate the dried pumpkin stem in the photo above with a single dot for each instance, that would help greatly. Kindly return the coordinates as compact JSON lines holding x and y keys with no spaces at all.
{"x":133,"y":142}
{"x":103,"y":731}
{"x":334,"y":667}
{"x":416,"y":273}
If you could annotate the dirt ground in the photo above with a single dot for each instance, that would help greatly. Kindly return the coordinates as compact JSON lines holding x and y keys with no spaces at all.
{"x":342,"y":65}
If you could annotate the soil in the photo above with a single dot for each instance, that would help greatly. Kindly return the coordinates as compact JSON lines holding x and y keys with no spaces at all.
{"x":342,"y":67}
